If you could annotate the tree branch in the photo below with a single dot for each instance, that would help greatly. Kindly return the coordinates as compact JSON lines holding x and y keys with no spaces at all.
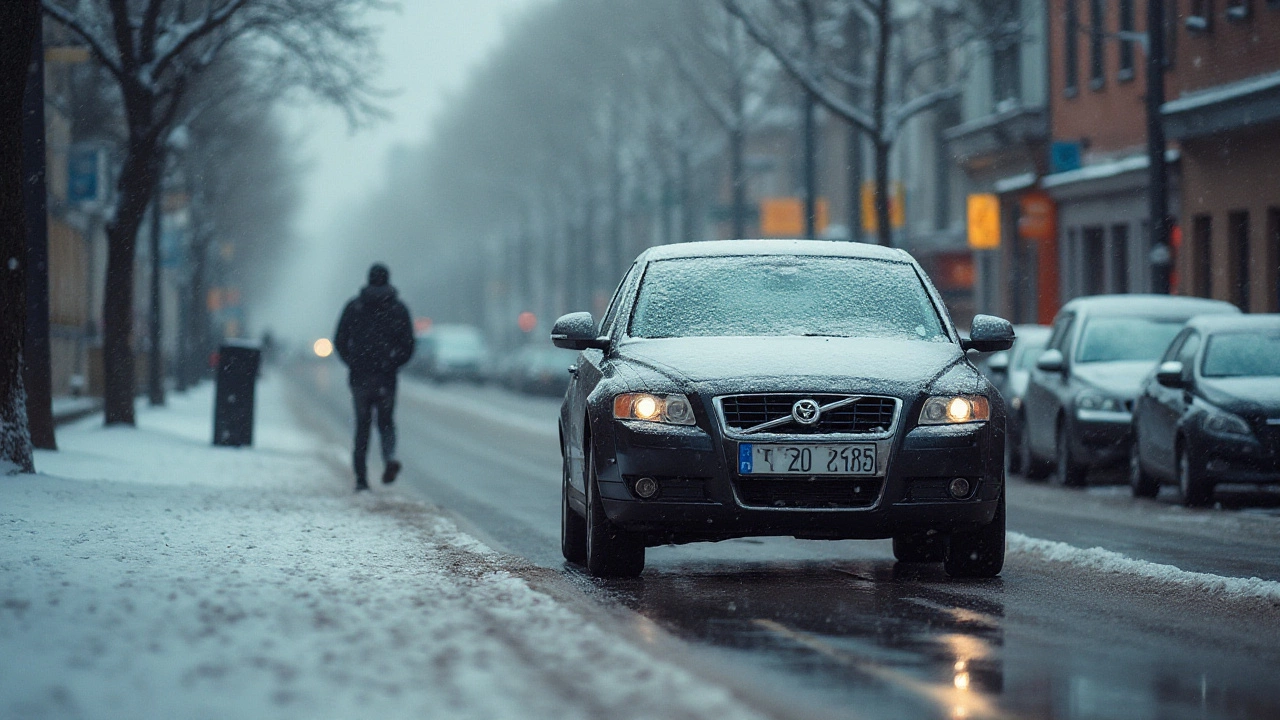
{"x":212,"y":21}
{"x":901,"y":114}
{"x":64,"y":17}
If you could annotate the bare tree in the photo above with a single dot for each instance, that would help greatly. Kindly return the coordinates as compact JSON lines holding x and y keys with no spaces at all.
{"x":879,"y":103}
{"x":21,"y":21}
{"x":155,"y":50}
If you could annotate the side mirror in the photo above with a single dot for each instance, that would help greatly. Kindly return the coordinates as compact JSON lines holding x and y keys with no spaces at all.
{"x":577,"y":331}
{"x":1170,"y":375}
{"x":1051,"y":361}
{"x":998,"y":363}
{"x":989,"y":334}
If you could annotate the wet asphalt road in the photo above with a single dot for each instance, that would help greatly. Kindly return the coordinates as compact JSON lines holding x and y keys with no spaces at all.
{"x":838,"y":629}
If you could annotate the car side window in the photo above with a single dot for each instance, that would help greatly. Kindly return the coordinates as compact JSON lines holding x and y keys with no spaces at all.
{"x":1187,"y":354}
{"x":1061,"y":331}
{"x":1173,"y":352}
{"x":606,"y":324}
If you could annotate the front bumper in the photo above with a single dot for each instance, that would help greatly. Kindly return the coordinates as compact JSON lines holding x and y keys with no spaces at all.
{"x":1100,"y":437}
{"x":704,"y":498}
{"x":1223,"y":460}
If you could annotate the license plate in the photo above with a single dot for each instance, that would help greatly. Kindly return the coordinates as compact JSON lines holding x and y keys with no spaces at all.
{"x":842,"y":459}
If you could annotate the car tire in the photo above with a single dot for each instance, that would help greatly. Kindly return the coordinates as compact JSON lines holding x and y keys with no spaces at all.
{"x":978,"y":553}
{"x":1070,"y":472}
{"x":919,"y":547}
{"x":1033,"y":467}
{"x":573,"y":527}
{"x":610,"y":551}
{"x":1196,"y":492}
{"x":1141,"y":483}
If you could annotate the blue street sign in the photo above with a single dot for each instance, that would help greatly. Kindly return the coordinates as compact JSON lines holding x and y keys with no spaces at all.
{"x":83,"y":183}
{"x":1064,"y":155}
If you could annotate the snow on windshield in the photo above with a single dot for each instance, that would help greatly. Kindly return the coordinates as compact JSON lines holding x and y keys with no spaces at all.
{"x":1242,"y":355}
{"x":784,"y":295}
{"x":1113,"y":339}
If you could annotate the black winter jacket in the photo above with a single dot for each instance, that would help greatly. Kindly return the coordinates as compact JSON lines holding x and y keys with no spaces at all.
{"x":375,"y":334}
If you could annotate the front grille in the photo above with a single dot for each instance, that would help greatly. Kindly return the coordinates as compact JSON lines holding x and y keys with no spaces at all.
{"x":808,"y":493}
{"x":867,"y":415}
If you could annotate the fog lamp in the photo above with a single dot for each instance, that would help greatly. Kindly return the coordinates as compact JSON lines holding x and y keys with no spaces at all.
{"x":959,"y":488}
{"x":646,"y":487}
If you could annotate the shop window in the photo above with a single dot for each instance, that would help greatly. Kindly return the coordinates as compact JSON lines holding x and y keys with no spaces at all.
{"x":1238,"y":234}
{"x":1119,"y":268}
{"x":1200,"y":19}
{"x":1202,"y":256}
{"x":1097,"y":69}
{"x":1238,"y":10}
{"x":1071,"y":48}
{"x":1126,"y":44}
{"x":1092,"y":257}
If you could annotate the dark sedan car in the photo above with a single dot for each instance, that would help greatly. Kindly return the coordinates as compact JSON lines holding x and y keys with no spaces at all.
{"x":794,"y":388}
{"x":1210,"y":412}
{"x":1079,"y":401}
{"x":1010,"y":371}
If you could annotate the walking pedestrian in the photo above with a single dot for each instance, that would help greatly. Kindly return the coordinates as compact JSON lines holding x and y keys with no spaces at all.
{"x":374,"y":340}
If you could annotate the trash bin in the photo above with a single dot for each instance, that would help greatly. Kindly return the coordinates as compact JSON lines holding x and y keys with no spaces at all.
{"x":233,"y":405}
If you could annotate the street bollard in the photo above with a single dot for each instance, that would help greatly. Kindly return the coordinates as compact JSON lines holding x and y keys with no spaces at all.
{"x":233,"y":407}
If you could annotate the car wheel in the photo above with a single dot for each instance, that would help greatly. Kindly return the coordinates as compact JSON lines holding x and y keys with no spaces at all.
{"x":1141,"y":482}
{"x":1196,"y":492}
{"x":1070,"y":472}
{"x":573,"y":527}
{"x":978,"y":553}
{"x":1033,"y":467}
{"x":919,"y":547}
{"x":611,"y":552}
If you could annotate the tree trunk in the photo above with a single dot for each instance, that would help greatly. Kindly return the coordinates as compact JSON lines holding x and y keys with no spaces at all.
{"x":37,"y":371}
{"x":137,"y":180}
{"x":855,"y":39}
{"x":21,"y":22}
{"x":738,"y":178}
{"x":155,"y":362}
{"x":884,"y":30}
{"x":884,"y":231}
{"x":808,"y":112}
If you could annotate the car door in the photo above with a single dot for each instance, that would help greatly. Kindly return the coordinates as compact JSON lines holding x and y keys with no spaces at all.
{"x":1150,"y":416}
{"x":1042,"y":402}
{"x":1168,"y":407}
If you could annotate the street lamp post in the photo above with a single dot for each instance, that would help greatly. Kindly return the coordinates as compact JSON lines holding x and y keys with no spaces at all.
{"x":1158,"y":178}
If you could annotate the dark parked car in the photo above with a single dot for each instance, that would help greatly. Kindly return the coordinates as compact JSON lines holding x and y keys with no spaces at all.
{"x":1210,"y":412}
{"x":1010,"y":371}
{"x":542,"y":371}
{"x":452,"y":352}
{"x":1079,"y":402}
{"x":794,"y":388}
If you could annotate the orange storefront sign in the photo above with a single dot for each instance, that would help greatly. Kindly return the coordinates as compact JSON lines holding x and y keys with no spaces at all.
{"x":1037,"y":217}
{"x":784,"y":217}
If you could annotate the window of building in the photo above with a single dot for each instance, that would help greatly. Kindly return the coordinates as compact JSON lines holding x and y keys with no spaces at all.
{"x":1238,"y":235}
{"x":1170,"y":32}
{"x":1200,"y":18}
{"x":1238,"y":10}
{"x":1097,"y":69}
{"x":1092,"y":257}
{"x":1202,"y":256}
{"x":1071,"y":48}
{"x":1126,"y":44}
{"x":1273,"y":257}
{"x":1119,"y":269}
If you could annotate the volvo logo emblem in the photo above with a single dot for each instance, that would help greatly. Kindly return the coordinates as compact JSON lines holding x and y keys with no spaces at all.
{"x":806,"y":412}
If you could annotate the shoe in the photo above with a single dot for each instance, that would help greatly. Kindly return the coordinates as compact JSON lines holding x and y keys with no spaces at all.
{"x":362,"y":486}
{"x":389,"y":475}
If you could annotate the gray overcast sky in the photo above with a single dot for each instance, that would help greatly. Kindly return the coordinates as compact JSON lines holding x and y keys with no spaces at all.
{"x":428,"y":49}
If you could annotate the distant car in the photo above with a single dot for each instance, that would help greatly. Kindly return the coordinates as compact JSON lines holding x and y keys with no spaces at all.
{"x":1010,"y":371}
{"x":1210,"y":412}
{"x":544,"y":371}
{"x":1079,"y":401}
{"x":453,"y":352}
{"x":795,"y":388}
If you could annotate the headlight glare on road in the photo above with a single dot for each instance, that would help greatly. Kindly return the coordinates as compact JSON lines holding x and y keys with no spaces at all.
{"x":955,"y":409}
{"x":652,"y":407}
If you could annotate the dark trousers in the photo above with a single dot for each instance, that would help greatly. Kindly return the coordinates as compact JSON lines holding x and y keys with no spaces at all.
{"x":373,"y":396}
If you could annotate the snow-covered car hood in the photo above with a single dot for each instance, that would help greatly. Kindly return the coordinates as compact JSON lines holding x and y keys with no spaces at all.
{"x":1242,"y":393}
{"x":799,"y":363}
{"x":1121,"y":379}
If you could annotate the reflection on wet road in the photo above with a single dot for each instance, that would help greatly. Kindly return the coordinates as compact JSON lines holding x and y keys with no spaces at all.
{"x":838,"y":629}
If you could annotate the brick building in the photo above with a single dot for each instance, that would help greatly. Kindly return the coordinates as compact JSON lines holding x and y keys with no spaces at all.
{"x":1224,"y":111}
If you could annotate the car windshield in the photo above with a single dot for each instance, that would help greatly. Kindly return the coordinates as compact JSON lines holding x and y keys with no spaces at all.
{"x":784,"y":295}
{"x":1242,"y":354}
{"x":1113,"y":339}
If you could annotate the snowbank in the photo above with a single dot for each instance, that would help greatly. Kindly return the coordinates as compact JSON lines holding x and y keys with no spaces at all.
{"x":149,"y":574}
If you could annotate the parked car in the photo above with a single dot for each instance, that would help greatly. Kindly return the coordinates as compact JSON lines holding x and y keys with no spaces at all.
{"x":795,"y":388}
{"x":453,"y":352}
{"x":1210,"y":412}
{"x":1078,"y":407}
{"x":1010,"y":371}
{"x":543,"y":371}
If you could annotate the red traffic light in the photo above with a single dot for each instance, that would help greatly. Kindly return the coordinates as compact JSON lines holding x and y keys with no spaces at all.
{"x":527,"y":321}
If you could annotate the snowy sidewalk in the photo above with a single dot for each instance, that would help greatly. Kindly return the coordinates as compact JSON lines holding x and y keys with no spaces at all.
{"x":147,"y":574}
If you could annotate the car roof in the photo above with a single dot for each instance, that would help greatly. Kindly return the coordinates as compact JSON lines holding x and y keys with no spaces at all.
{"x":1154,"y":305}
{"x":1229,"y":323}
{"x":723,"y":248}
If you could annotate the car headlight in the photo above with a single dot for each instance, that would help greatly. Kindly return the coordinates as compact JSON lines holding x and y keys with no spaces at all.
{"x":652,"y":407}
{"x":954,"y":409}
{"x":1225,"y":424}
{"x":1094,"y":401}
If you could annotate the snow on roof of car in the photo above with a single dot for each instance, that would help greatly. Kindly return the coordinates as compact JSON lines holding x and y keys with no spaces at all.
{"x":1228,"y":323}
{"x":1148,"y":305}
{"x":722,"y":248}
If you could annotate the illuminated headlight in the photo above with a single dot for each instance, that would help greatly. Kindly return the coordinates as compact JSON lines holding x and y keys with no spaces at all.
{"x":1227,"y":425}
{"x":649,"y":407}
{"x":949,"y":410}
{"x":1091,"y":401}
